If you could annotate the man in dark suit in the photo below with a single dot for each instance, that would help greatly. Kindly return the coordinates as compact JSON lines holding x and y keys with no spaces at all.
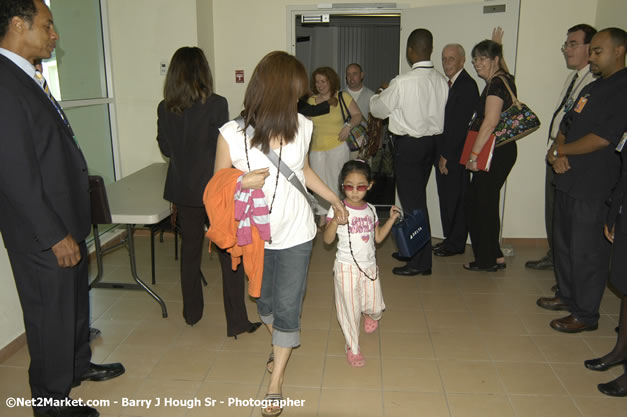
{"x":44,"y":214}
{"x":452,"y":177}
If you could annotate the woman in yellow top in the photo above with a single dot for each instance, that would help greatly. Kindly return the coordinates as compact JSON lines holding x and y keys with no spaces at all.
{"x":328,"y":151}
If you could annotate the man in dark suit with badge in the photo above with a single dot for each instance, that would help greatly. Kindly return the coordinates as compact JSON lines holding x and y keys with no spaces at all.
{"x":576,"y":51}
{"x":587,"y":168}
{"x":452,"y":177}
{"x":44,"y":214}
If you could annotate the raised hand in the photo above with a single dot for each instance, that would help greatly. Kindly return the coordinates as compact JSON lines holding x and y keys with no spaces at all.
{"x":497,"y":35}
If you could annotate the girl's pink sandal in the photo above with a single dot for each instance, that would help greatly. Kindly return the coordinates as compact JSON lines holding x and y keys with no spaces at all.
{"x":355,"y":360}
{"x":370,"y":324}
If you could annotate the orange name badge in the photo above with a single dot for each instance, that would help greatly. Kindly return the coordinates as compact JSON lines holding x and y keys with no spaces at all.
{"x":580,"y":104}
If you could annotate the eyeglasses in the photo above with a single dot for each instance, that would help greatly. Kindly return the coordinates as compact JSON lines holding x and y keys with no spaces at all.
{"x":348,"y":187}
{"x":570,"y":45}
{"x":479,"y":59}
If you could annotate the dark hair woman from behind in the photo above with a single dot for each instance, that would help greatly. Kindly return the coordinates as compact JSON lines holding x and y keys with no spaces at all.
{"x":188,"y":81}
{"x":270,"y":106}
{"x":483,"y":195}
{"x":188,"y":121}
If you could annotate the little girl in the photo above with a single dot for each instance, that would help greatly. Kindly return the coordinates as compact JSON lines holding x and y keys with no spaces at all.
{"x":357,"y":285}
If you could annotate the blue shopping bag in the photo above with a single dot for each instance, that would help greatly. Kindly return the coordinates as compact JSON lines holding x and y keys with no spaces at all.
{"x":412,"y":233}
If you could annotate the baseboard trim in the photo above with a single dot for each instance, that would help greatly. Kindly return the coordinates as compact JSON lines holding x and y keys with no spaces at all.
{"x":10,"y":349}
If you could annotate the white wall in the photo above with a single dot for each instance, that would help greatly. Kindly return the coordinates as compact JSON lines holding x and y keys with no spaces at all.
{"x":204,"y":19}
{"x":540,"y":76}
{"x":611,"y":13}
{"x":143,"y":33}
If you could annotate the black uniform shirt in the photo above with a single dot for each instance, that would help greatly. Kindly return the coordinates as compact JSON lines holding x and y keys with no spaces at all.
{"x":600,"y":109}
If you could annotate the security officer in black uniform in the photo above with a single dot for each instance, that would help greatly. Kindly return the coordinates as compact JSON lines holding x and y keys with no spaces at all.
{"x":587,"y":167}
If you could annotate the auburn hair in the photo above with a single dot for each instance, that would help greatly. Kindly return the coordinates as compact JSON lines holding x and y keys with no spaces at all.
{"x":270,"y":102}
{"x":332,"y":78}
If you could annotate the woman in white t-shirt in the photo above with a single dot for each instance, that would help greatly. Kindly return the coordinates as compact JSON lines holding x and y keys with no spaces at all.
{"x":270,"y":107}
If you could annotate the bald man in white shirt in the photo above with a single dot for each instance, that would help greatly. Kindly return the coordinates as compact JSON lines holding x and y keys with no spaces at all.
{"x":356,"y":88}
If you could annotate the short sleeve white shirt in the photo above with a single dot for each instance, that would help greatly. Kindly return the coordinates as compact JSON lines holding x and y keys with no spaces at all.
{"x":414,"y":102}
{"x":291,"y":220}
{"x":362,"y":222}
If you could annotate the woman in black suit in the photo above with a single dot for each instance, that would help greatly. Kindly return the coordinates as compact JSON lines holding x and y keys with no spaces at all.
{"x":188,"y":120}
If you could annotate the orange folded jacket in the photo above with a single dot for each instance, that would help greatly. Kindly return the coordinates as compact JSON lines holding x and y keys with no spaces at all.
{"x":220,"y":207}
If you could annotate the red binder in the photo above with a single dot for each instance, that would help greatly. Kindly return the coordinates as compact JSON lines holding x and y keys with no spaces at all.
{"x":485,"y":156}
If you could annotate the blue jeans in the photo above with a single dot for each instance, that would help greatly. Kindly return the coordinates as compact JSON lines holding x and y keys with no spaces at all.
{"x":282,"y":292}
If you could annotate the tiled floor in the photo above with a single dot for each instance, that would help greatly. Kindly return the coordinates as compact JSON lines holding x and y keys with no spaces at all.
{"x":454,"y":344}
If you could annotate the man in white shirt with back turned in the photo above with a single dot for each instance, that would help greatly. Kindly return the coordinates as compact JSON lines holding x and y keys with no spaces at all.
{"x":415,"y":104}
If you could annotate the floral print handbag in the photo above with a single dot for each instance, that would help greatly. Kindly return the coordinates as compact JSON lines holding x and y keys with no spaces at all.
{"x":358,"y":134}
{"x":516,"y":122}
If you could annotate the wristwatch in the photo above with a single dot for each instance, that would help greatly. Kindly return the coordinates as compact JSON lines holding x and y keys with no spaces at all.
{"x":556,"y":152}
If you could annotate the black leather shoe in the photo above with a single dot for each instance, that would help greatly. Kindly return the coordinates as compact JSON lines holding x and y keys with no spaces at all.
{"x":67,"y":411}
{"x":93,"y":334}
{"x":571,"y":324}
{"x":613,"y":389}
{"x":472,"y":266}
{"x":100,"y":373}
{"x":409,"y":271}
{"x":552,"y":303}
{"x":543,"y":264}
{"x":398,"y":257}
{"x":501,"y":266}
{"x":443,"y":251}
{"x":438,"y":245}
{"x":599,"y":365}
{"x":253,"y":327}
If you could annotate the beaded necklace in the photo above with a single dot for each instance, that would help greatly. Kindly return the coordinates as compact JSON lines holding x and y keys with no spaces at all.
{"x":350,"y":246}
{"x":278,"y":171}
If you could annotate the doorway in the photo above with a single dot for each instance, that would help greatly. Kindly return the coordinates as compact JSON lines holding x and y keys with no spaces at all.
{"x":371,"y":40}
